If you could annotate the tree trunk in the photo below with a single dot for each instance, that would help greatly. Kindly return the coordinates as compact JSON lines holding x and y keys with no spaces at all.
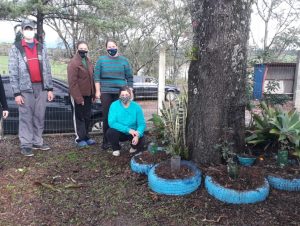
{"x":216,"y":85}
{"x":39,"y":27}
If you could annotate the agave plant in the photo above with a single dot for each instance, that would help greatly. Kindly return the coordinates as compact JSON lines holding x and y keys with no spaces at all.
{"x":260,"y":133}
{"x":276,"y":127}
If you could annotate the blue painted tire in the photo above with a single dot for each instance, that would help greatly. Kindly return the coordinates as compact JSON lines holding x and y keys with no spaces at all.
{"x":175,"y":186}
{"x":284,"y":184}
{"x":140,"y":168}
{"x":234,"y":196}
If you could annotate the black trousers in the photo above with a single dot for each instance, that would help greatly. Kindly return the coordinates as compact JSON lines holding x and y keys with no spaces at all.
{"x":106,"y":100}
{"x":114,"y":137}
{"x":82,"y":118}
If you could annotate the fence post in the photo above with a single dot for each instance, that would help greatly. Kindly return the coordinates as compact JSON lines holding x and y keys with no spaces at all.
{"x":161,"y":77}
{"x":296,"y":95}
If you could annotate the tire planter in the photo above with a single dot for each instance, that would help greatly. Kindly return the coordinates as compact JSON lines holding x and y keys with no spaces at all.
{"x":284,"y":184}
{"x":175,"y":186}
{"x":234,"y":196}
{"x":140,"y":168}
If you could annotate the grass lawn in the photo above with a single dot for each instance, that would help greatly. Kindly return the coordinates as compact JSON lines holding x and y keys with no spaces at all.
{"x":59,"y":69}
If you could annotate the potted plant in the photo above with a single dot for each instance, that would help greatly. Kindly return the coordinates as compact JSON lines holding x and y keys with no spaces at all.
{"x":144,"y":161}
{"x":176,"y":176}
{"x":279,"y":131}
{"x":246,"y":158}
{"x":174,"y":117}
{"x":232,"y":183}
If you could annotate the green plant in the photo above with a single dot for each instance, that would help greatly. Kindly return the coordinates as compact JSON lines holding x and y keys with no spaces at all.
{"x":158,"y":130}
{"x":226,"y":147}
{"x":260,"y":131}
{"x":276,"y":127}
{"x":174,"y":116}
{"x":270,"y":96}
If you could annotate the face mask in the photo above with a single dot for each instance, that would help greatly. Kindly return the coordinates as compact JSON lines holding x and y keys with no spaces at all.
{"x":28,"y":34}
{"x":82,"y":53}
{"x":112,"y":52}
{"x":125,"y":100}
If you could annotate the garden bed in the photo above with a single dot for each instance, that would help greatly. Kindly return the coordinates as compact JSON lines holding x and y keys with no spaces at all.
{"x":249,"y":177}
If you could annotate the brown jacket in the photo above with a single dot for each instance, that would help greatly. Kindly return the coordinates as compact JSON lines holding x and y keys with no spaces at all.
{"x":80,"y":79}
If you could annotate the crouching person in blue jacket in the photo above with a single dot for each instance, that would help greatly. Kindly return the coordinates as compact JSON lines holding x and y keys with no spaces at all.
{"x":126,"y":121}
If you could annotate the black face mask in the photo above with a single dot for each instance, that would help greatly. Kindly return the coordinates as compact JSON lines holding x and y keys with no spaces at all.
{"x":82,"y":53}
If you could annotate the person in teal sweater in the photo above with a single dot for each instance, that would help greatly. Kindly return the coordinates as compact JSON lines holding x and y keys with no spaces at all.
{"x":126,"y":123}
{"x":112,"y":72}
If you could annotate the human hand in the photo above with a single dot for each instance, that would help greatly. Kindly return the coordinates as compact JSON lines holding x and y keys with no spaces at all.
{"x":82,"y":103}
{"x":19,"y":100}
{"x":5,"y":114}
{"x":135,"y":140}
{"x":50,"y":96}
{"x":134,"y":133}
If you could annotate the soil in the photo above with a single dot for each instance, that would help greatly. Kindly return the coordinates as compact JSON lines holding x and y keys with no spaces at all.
{"x":163,"y":170}
{"x":148,"y":158}
{"x":249,"y":177}
{"x":67,"y":186}
{"x":290,"y":171}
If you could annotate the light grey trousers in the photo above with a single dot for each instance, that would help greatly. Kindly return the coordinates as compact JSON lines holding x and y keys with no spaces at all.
{"x":32,"y":116}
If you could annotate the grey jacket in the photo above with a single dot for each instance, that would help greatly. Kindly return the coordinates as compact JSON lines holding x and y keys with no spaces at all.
{"x":19,"y":74}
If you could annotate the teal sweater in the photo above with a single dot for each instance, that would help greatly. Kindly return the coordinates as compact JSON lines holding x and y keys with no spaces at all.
{"x":113,"y":73}
{"x":123,"y":119}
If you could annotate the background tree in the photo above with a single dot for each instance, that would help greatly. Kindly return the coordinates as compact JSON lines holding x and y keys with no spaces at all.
{"x":176,"y":30}
{"x":216,"y":85}
{"x":281,"y":27}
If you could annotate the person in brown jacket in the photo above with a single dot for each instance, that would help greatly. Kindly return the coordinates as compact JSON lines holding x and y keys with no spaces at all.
{"x":82,"y":92}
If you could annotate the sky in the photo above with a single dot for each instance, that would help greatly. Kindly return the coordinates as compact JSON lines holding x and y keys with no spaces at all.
{"x":257,"y":32}
{"x":7,"y":34}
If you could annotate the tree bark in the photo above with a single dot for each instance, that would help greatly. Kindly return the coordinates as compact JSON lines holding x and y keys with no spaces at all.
{"x":39,"y":28}
{"x":217,"y":75}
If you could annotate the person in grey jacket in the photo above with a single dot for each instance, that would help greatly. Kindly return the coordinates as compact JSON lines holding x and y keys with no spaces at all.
{"x":31,"y":81}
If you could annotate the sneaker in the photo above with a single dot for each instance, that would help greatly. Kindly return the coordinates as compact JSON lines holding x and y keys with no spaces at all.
{"x":116,"y":153}
{"x":82,"y":144}
{"x":27,"y":151}
{"x":90,"y":142}
{"x":105,"y":146}
{"x":43,"y":147}
{"x":132,"y":150}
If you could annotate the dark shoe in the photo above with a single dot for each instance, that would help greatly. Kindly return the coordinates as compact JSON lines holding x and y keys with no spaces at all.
{"x":43,"y":147}
{"x":90,"y":142}
{"x":105,"y":146}
{"x":82,"y":144}
{"x":27,"y":152}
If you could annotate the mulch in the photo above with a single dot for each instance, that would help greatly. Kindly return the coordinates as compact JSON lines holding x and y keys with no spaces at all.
{"x":67,"y":186}
{"x":164,"y":170}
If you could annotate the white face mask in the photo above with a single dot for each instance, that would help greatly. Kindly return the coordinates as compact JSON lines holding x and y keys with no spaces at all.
{"x":28,"y":34}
